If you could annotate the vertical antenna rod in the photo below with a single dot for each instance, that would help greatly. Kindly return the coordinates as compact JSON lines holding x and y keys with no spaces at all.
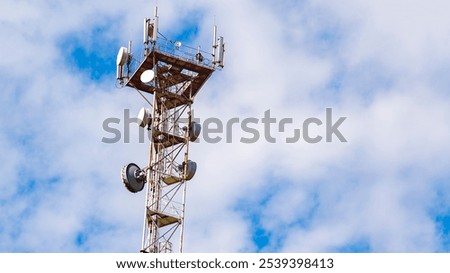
{"x":214,"y":43}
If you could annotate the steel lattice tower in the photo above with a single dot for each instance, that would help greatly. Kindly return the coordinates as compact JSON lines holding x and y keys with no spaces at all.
{"x":173,"y":74}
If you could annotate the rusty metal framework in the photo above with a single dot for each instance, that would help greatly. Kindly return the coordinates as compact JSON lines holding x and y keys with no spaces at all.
{"x":177,"y":73}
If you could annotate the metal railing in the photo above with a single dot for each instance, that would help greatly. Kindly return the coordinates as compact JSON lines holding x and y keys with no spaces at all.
{"x":187,"y":53}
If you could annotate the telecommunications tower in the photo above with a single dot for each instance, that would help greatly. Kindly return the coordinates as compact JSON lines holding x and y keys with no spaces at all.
{"x":173,"y":73}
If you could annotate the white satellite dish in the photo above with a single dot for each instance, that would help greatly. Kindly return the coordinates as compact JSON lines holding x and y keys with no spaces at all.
{"x":122,"y":56}
{"x":178,"y":44}
{"x":144,"y":117}
{"x":147,"y":76}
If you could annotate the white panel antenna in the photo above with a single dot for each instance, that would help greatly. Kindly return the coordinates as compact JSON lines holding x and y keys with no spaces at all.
{"x":146,"y":30}
{"x":155,"y":26}
{"x":218,"y":50}
{"x":221,"y":52}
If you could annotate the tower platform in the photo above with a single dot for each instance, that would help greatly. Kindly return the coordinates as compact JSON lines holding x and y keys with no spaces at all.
{"x":185,"y":77}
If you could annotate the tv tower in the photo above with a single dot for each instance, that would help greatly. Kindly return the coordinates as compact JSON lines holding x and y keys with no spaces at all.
{"x":173,"y":73}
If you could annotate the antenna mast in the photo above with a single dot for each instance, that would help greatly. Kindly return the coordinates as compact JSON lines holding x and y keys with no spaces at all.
{"x":173,"y":74}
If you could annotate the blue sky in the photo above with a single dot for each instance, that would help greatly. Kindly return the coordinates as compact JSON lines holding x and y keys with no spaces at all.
{"x":382,"y":65}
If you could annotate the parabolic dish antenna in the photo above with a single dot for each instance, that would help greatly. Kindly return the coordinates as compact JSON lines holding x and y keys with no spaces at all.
{"x":191,"y":169}
{"x":133,"y":177}
{"x":147,"y":76}
{"x":122,"y":56}
{"x":194,"y":131}
{"x":144,"y":117}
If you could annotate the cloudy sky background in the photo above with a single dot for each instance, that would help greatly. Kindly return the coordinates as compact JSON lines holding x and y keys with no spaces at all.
{"x":384,"y":65}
